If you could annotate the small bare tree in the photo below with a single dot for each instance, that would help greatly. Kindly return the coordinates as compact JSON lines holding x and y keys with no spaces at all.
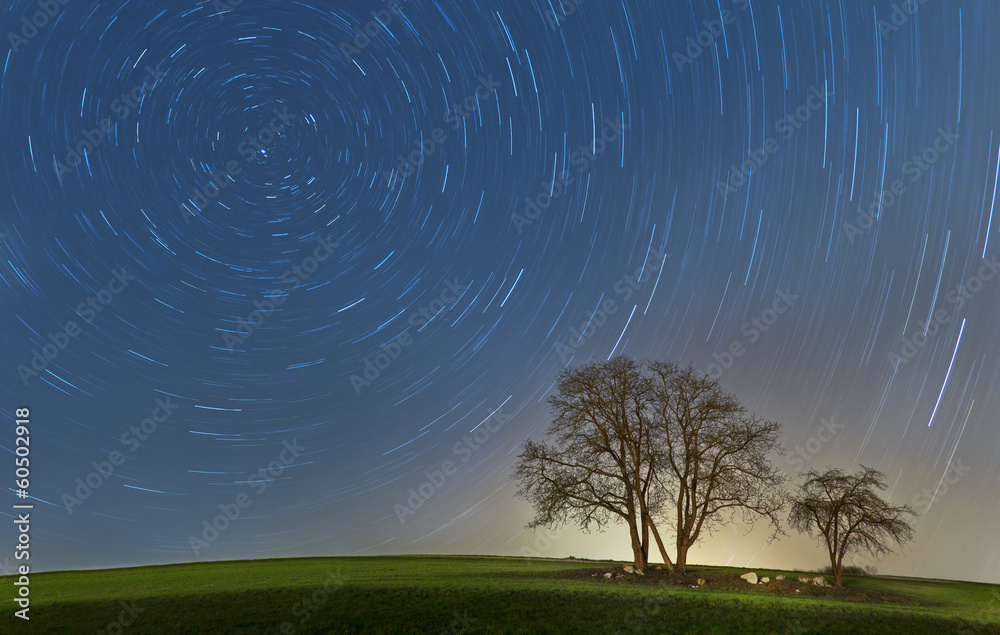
{"x":600,"y":465}
{"x":847,"y":511}
{"x":714,"y":459}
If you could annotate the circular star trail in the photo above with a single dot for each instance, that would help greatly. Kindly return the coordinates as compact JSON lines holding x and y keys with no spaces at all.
{"x":332,"y":259}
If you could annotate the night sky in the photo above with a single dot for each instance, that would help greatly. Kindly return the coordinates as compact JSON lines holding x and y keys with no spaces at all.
{"x":251,"y":235}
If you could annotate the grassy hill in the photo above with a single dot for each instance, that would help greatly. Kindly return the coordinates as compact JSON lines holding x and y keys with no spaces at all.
{"x":464,"y":595}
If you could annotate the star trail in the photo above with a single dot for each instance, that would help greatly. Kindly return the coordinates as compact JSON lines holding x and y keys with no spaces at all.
{"x":313,"y":268}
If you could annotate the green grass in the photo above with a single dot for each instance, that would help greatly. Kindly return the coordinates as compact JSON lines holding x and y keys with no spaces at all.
{"x":429,"y":594}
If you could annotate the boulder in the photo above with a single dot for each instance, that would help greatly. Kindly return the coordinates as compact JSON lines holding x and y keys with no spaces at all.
{"x":802,"y":579}
{"x":701,"y":582}
{"x":765,"y":580}
{"x":629,"y":568}
{"x":750,"y":577}
{"x":608,"y":575}
{"x":819,"y":581}
{"x":779,"y":577}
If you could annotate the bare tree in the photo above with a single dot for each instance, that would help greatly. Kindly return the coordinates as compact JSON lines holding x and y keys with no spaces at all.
{"x":635,"y":443}
{"x":847,"y":511}
{"x":600,"y":465}
{"x":714,"y":458}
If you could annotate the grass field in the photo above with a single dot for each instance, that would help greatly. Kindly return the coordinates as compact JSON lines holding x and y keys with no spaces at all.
{"x":462,"y":595}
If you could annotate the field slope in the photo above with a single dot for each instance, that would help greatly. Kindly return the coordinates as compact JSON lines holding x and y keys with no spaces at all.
{"x":464,"y":595}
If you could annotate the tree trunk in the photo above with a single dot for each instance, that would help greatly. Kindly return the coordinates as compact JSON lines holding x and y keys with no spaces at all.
{"x":637,"y":553}
{"x":645,"y":541}
{"x":663,"y":552}
{"x":837,"y":568}
{"x":682,"y":556}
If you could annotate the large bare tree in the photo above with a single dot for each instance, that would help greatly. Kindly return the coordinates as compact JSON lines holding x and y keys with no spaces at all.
{"x":638,"y":442}
{"x":599,"y":465}
{"x":714,"y":459}
{"x":847,"y":511}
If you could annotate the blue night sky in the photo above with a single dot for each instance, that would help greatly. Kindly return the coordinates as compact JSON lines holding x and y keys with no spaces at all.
{"x":257,"y":260}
